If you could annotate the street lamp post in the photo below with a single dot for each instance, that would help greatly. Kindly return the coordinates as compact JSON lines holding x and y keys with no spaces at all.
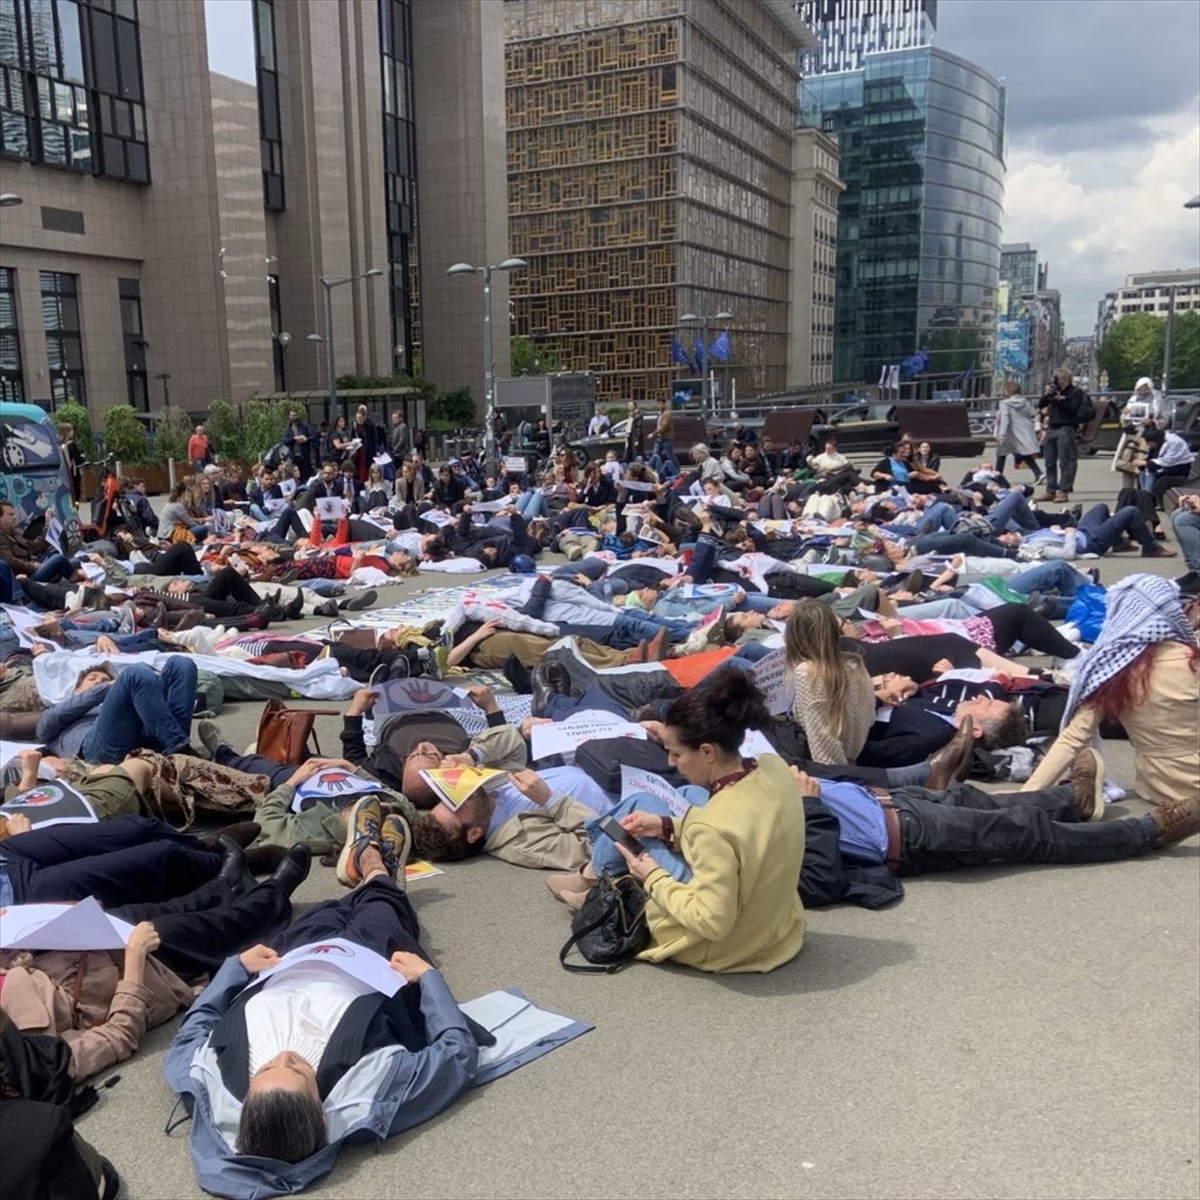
{"x":690,"y":318}
{"x":164,"y":376}
{"x":285,"y":340}
{"x":489,"y":381}
{"x":10,"y":200}
{"x":329,"y":285}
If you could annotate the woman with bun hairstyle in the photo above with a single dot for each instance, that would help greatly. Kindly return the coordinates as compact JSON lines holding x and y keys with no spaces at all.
{"x":835,"y":701}
{"x":739,"y":910}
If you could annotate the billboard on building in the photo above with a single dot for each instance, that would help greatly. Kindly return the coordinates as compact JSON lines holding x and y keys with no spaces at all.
{"x":1012,"y":347}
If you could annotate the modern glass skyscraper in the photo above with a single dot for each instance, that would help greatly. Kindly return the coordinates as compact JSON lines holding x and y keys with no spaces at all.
{"x":851,"y":29}
{"x":922,"y":140}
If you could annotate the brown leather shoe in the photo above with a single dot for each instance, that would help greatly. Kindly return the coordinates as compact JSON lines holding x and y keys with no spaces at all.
{"x":571,"y":887}
{"x":1087,"y":778}
{"x":953,"y":760}
{"x":636,"y":655}
{"x":1061,"y":498}
{"x":1047,"y":497}
{"x":1158,"y":552}
{"x":1176,"y":822}
{"x":658,"y":646}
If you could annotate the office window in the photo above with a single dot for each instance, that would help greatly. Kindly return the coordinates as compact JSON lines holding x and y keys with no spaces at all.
{"x":71,"y":86}
{"x":12,"y":385}
{"x":279,"y":352}
{"x":64,"y":349}
{"x":269,"y":129}
{"x":400,"y":169}
{"x":136,"y":388}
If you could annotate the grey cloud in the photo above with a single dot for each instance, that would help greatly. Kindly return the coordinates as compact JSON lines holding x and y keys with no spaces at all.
{"x":1069,"y":64}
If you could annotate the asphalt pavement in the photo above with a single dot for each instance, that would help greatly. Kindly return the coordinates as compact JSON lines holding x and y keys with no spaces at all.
{"x":1008,"y":1032}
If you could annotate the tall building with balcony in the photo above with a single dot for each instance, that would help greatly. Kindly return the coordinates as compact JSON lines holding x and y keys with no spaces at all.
{"x":650,"y":173}
{"x":921,"y":135}
{"x":1149,"y":291}
{"x":176,"y":221}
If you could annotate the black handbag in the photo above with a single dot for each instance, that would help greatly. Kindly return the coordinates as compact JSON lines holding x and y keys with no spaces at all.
{"x":610,"y":927}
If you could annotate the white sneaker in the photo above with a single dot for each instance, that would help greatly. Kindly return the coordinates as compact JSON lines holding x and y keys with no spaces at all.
{"x":1070,"y":631}
{"x":1113,"y":792}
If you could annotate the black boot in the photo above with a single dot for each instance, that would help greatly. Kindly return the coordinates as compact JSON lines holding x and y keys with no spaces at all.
{"x":518,"y":675}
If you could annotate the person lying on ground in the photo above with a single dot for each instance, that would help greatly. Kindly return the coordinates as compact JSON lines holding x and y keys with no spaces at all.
{"x":102,"y":1003}
{"x":268,"y":1070}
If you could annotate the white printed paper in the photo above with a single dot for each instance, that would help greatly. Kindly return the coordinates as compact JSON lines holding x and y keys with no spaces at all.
{"x":635,"y":781}
{"x":356,"y":961}
{"x":754,"y":744}
{"x":382,"y":460}
{"x":332,"y":508}
{"x":51,"y":803}
{"x":333,"y":783}
{"x":514,"y":464}
{"x":636,"y":485}
{"x":435,"y":516}
{"x":777,"y":682}
{"x":82,"y":926}
{"x":565,"y":737}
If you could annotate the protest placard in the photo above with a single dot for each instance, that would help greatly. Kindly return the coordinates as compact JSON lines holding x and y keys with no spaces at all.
{"x":51,"y":803}
{"x":331,"y":508}
{"x":636,"y":781}
{"x":82,"y":926}
{"x":333,"y":783}
{"x":565,"y":737}
{"x":775,"y":679}
{"x":356,"y":961}
{"x":514,"y":464}
{"x":456,"y":785}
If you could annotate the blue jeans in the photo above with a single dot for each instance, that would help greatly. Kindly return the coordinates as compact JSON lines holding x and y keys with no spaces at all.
{"x":531,"y":505}
{"x":961,"y":543}
{"x":1057,"y":576}
{"x":1012,"y":514}
{"x":606,"y":858}
{"x":748,"y":653}
{"x":10,"y":590}
{"x":1187,"y":531}
{"x":128,"y":643}
{"x":144,"y":709}
{"x":53,"y":568}
{"x":639,"y":625}
{"x":938,"y":518}
{"x":1060,"y":447}
{"x":1103,"y":531}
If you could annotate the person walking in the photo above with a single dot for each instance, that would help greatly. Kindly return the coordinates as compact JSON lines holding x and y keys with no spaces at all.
{"x":1015,"y":432}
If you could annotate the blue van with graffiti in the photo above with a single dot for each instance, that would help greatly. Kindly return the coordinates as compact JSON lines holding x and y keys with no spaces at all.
{"x":35,"y":478}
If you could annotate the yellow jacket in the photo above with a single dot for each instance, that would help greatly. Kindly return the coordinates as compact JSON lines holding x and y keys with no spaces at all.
{"x":741,"y":910}
{"x":1162,"y":731}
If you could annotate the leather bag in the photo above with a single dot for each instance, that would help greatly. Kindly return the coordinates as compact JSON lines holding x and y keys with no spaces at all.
{"x":283,"y":732}
{"x":610,"y":928}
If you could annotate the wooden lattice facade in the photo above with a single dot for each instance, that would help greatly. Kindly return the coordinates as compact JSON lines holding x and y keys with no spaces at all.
{"x":649,"y":175}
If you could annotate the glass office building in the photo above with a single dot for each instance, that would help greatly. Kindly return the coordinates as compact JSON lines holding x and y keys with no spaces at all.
{"x":922,"y":140}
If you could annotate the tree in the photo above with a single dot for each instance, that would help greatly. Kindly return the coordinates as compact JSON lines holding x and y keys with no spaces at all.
{"x":266,"y":421}
{"x":1134,"y":347}
{"x":1185,"y":351}
{"x":224,"y":429}
{"x":74,"y":414}
{"x":530,"y":359}
{"x":124,"y":435}
{"x":172,"y":430}
{"x":457,"y":408}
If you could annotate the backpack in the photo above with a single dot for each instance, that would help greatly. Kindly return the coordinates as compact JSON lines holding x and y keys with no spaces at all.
{"x":1085,"y":410}
{"x":973,"y":523}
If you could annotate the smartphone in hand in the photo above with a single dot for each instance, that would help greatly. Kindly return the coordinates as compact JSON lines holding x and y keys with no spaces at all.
{"x":619,"y":834}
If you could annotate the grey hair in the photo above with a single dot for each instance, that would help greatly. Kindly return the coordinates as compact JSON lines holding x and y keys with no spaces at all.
{"x":700,"y":448}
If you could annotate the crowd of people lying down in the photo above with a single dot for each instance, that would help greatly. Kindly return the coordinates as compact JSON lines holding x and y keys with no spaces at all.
{"x":791,"y":681}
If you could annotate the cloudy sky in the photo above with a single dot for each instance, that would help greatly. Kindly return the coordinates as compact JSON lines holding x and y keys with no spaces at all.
{"x":1103,"y":132}
{"x":1104,"y":127}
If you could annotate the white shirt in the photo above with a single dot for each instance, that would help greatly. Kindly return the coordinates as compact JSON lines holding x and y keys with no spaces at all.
{"x":612,"y":470}
{"x":1175,"y":452}
{"x":298,"y":1010}
{"x":598,"y":425}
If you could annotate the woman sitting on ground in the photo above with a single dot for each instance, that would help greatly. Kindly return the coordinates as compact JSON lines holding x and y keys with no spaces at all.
{"x":740,"y":910}
{"x":835,"y":701}
{"x":1143,"y":672}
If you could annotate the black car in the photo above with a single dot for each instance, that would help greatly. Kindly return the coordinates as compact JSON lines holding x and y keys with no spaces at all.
{"x":859,"y":429}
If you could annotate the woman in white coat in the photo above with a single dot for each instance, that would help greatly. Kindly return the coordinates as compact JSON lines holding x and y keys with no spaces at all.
{"x":1015,"y":433}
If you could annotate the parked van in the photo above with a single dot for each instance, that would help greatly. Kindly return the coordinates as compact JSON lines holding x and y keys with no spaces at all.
{"x":35,"y":478}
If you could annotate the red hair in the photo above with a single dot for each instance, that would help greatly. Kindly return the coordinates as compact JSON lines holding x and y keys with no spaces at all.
{"x":1129,"y":687}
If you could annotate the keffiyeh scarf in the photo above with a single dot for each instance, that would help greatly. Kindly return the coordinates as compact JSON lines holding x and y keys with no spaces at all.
{"x":1141,"y":611}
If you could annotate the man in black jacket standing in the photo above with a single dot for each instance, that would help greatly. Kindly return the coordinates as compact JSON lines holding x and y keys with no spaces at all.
{"x":1065,"y":409}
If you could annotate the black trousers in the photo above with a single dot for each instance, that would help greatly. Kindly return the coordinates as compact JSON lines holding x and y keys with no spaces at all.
{"x":377,"y":915}
{"x":1012,"y":623}
{"x":177,"y":559}
{"x":966,"y":827}
{"x":199,"y":931}
{"x":126,"y":860}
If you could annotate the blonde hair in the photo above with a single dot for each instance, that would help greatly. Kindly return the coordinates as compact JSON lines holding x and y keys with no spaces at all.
{"x":811,"y":638}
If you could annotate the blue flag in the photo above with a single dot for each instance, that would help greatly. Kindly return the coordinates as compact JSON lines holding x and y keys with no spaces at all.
{"x":678,"y":353}
{"x":698,"y":351}
{"x":720,"y":348}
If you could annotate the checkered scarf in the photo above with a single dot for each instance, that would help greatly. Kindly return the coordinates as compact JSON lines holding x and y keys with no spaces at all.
{"x":1141,"y":610}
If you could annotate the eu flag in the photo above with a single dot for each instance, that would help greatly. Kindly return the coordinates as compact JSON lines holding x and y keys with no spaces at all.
{"x":720,"y":348}
{"x":678,"y":353}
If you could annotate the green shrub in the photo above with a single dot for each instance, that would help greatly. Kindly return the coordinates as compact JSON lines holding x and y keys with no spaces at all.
{"x":173,"y":429}
{"x":224,"y":429}
{"x":457,"y":407}
{"x":74,"y":414}
{"x":124,"y":435}
{"x":265,"y":423}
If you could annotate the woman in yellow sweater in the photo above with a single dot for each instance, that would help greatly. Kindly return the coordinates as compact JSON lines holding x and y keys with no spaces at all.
{"x":740,"y":910}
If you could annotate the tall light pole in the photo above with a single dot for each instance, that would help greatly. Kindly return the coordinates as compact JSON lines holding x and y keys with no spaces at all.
{"x":285,"y":340}
{"x":329,"y":285}
{"x":10,"y":200}
{"x":691,"y":318}
{"x":489,"y":374}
